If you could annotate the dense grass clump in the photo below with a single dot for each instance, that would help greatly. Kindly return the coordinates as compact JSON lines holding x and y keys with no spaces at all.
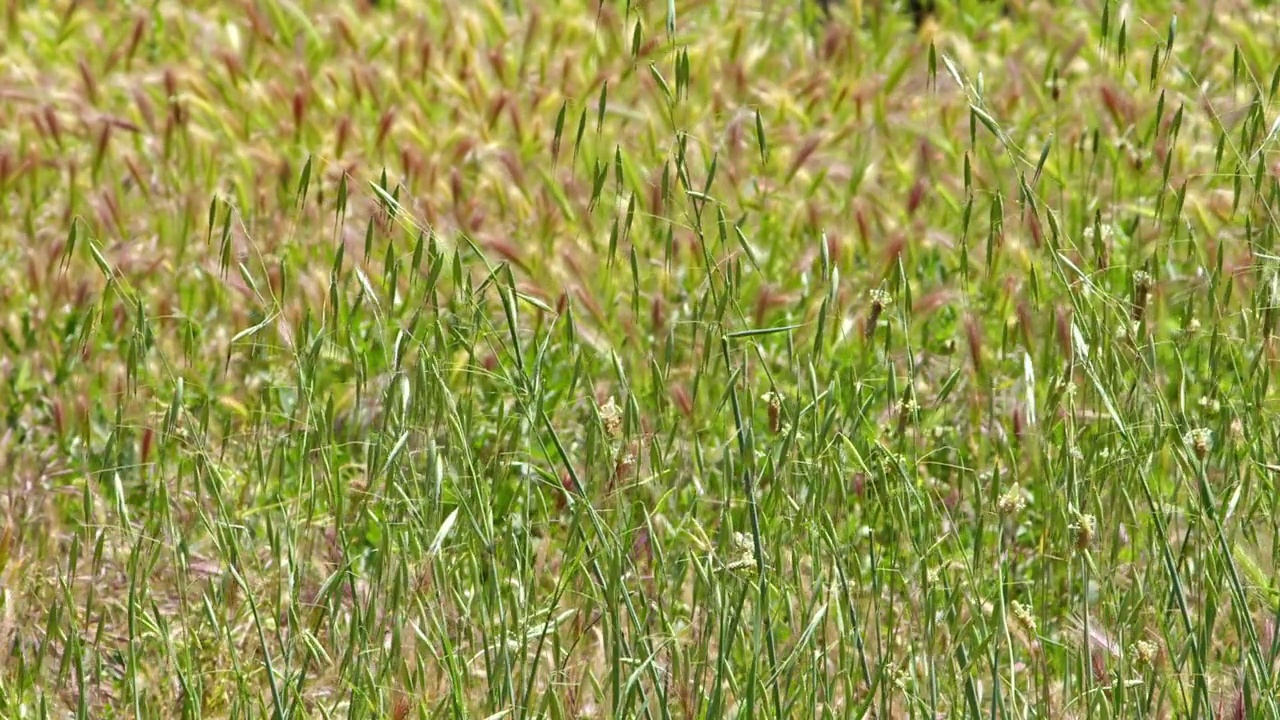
{"x":666,"y":360}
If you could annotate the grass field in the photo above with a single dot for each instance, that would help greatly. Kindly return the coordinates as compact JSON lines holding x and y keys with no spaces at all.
{"x":666,"y":360}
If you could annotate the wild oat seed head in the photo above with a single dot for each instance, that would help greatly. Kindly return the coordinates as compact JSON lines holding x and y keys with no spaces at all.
{"x":1200,"y":440}
{"x":1011,"y":502}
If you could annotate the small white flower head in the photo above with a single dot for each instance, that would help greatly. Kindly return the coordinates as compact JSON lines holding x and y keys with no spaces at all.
{"x":898,"y":675}
{"x":1024,"y":617}
{"x":625,"y":464}
{"x":1210,"y":405}
{"x":1128,"y":328}
{"x":1200,"y":440}
{"x":1011,"y":502}
{"x":1142,"y":281}
{"x":1145,"y":653}
{"x":1085,"y":528}
{"x":880,"y":299}
{"x":773,"y":399}
{"x":744,"y":555}
{"x":611,"y":418}
{"x":1090,"y":233}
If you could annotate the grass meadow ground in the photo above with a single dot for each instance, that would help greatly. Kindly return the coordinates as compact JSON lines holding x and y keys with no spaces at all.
{"x":665,"y":360}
